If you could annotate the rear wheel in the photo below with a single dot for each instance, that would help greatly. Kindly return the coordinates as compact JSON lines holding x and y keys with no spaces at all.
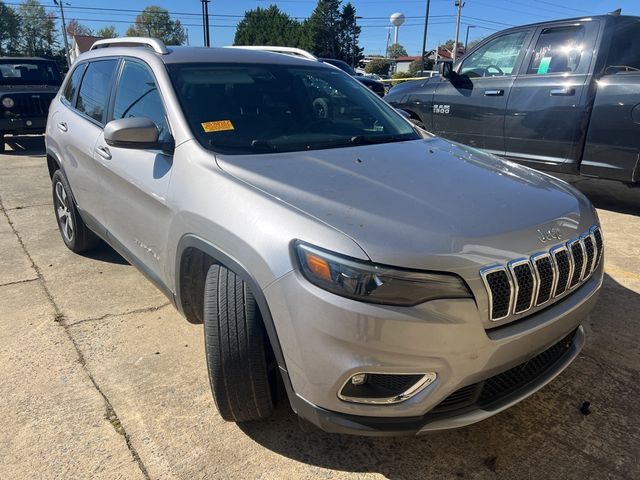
{"x":236,"y":347}
{"x":75,"y":234}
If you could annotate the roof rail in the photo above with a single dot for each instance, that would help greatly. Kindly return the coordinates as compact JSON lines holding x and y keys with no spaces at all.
{"x":153,"y":43}
{"x":294,"y":52}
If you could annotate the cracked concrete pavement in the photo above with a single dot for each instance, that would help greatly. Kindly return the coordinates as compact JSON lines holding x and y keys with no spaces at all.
{"x":101,"y":378}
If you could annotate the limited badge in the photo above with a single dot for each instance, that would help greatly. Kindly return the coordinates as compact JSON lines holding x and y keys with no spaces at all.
{"x":217,"y":126}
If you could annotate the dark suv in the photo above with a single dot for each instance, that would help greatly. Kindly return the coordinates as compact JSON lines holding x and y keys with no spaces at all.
{"x":27,"y":86}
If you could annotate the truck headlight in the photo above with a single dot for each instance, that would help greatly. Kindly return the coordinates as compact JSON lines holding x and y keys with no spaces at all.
{"x":7,"y":102}
{"x":373,"y":283}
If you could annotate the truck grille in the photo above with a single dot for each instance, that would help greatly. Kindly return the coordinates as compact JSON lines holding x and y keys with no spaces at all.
{"x":530,"y":282}
{"x":31,"y":104}
{"x":487,"y":392}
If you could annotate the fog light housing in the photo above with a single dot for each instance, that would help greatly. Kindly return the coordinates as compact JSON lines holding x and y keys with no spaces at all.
{"x":384,"y":388}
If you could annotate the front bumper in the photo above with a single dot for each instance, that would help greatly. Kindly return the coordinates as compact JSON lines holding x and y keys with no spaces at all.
{"x":326,"y":339}
{"x":23,"y":125}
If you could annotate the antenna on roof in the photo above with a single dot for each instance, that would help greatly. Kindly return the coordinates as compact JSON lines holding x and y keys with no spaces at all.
{"x":616,"y":13}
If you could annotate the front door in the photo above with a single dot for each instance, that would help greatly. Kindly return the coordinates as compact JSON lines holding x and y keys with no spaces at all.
{"x":549,"y":106}
{"x":469,"y":106}
{"x":135,"y":181}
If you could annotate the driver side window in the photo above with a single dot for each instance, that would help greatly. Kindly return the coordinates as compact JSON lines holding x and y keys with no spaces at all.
{"x":496,"y":58}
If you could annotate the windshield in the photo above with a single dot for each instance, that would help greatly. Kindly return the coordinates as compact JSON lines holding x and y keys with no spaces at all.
{"x":239,"y":109}
{"x":29,"y":72}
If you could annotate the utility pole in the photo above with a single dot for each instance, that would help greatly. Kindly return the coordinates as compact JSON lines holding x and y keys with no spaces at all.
{"x":386,"y":51}
{"x":355,"y":46}
{"x":459,"y":4}
{"x":205,"y":22}
{"x":64,"y":32}
{"x":424,"y":36}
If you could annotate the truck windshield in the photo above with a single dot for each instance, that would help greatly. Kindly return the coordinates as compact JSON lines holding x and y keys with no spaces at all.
{"x":29,"y":72}
{"x":249,"y":108}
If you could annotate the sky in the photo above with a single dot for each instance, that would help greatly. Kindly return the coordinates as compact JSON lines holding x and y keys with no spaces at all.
{"x":485,"y":16}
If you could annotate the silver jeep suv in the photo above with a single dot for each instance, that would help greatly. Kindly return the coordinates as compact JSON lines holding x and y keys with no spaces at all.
{"x":395,"y":282}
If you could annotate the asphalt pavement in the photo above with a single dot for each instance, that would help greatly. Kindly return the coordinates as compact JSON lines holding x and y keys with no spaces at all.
{"x":101,"y":378}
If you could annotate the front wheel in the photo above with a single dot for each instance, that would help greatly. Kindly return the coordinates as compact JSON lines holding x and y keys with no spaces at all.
{"x":236,"y":348}
{"x":75,"y":234}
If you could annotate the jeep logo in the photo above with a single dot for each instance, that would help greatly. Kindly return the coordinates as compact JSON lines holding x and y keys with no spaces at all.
{"x":549,"y":234}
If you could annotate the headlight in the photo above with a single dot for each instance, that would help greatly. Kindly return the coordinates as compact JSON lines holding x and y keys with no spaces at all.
{"x":7,"y":102}
{"x":372,"y":283}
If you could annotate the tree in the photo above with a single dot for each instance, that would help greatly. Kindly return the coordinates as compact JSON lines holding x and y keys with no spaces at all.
{"x":76,"y":28}
{"x":379,"y":66}
{"x":37,"y":30}
{"x":348,"y":35}
{"x":107,"y":32}
{"x":416,"y":65}
{"x":396,"y":50}
{"x":156,"y":22}
{"x":448,"y":44}
{"x":9,"y":30}
{"x":323,"y":29}
{"x":268,"y":26}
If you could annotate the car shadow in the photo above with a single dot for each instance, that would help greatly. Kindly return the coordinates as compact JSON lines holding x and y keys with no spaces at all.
{"x":32,"y":145}
{"x":502,"y":444}
{"x":105,"y":253}
{"x":607,"y":194}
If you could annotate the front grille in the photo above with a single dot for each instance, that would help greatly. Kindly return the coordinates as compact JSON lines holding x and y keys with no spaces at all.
{"x":484,"y":394}
{"x":545,"y":276}
{"x":499,"y":285}
{"x":31,"y":105}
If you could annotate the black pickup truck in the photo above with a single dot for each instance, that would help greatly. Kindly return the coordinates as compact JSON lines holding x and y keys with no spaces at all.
{"x":27,"y":86}
{"x":561,"y":96}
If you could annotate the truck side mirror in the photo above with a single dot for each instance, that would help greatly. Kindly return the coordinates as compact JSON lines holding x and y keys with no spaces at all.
{"x":445,"y":69}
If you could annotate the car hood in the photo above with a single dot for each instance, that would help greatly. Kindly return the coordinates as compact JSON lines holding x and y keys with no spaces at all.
{"x":421,"y":204}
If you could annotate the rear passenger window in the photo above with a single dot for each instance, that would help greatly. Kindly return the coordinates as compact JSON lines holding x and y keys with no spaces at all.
{"x":95,"y":88}
{"x":74,"y":82}
{"x":624,"y":55}
{"x":137,"y":96}
{"x":558,"y":51}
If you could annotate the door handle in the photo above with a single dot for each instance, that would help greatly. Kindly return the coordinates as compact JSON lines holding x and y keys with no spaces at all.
{"x":494,"y":93}
{"x":62,"y":126}
{"x":566,"y":91}
{"x":104,"y":152}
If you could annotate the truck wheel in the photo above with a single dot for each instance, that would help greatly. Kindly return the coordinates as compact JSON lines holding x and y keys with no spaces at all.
{"x":236,"y":348}
{"x":75,"y":234}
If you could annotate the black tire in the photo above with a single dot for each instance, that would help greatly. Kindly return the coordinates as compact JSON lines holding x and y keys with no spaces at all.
{"x":236,"y":348}
{"x":75,"y":234}
{"x":1,"y":142}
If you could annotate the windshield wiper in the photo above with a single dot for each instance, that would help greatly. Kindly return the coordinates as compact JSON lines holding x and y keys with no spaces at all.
{"x":372,"y":139}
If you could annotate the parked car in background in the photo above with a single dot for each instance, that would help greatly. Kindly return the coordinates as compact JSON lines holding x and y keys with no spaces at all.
{"x":394,"y":282}
{"x":27,"y":86}
{"x":562,"y":96}
{"x":372,"y":84}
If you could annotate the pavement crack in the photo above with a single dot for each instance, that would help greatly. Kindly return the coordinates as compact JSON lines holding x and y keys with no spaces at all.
{"x":110,"y":413}
{"x":18,"y":282}
{"x":123,"y":314}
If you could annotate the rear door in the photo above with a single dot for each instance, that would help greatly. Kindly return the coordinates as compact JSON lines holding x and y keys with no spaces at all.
{"x":549,"y":105}
{"x":79,"y":123}
{"x":469,"y":107}
{"x":136,"y":181}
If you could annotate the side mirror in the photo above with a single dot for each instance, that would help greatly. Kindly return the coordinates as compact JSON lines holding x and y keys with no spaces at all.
{"x":404,"y":113}
{"x":445,"y":69}
{"x":133,"y":132}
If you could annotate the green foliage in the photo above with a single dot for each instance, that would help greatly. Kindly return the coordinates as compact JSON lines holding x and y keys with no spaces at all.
{"x":9,"y":30}
{"x":37,"y":30}
{"x":107,"y":32}
{"x":396,"y":50}
{"x":379,"y":66}
{"x":399,"y":76}
{"x":268,"y":26}
{"x":323,"y":28}
{"x":157,"y":23}
{"x":416,"y":66}
{"x":348,"y":36}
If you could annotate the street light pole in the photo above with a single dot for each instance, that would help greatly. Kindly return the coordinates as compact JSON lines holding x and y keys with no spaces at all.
{"x":355,"y":46}
{"x":205,"y":22}
{"x":64,"y":32}
{"x":466,"y":39}
{"x":424,"y":36}
{"x":459,"y":4}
